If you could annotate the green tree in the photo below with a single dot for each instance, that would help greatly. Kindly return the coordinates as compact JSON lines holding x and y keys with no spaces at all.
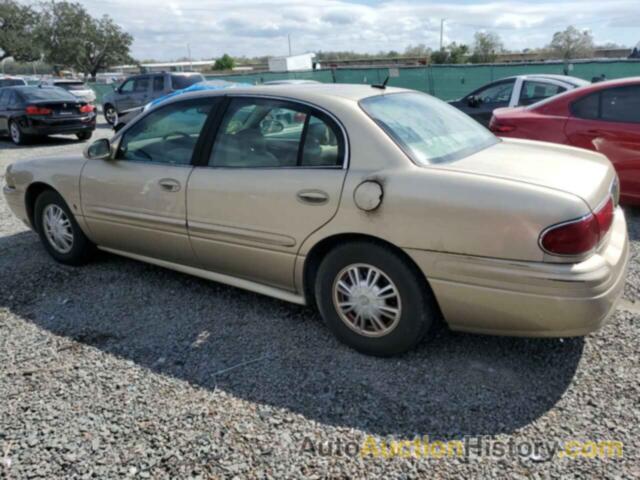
{"x":572,"y":43}
{"x":18,"y":24}
{"x":486,"y":47}
{"x":73,"y":38}
{"x":420,"y":50}
{"x":225,"y":62}
{"x":106,"y":45}
{"x":452,"y":53}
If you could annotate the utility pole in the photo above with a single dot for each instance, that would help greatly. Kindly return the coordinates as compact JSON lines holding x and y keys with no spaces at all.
{"x":189,"y":56}
{"x":441,"y":32}
{"x":289,"y":38}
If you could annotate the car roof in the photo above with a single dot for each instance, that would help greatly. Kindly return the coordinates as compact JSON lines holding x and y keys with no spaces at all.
{"x":307,"y":91}
{"x":551,"y":76}
{"x":290,"y":82}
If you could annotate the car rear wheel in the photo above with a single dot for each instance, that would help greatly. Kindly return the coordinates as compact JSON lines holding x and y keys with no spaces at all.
{"x":110,"y":114}
{"x":83,"y":136}
{"x":373,"y":299}
{"x":59,"y":232}
{"x":17,"y":136}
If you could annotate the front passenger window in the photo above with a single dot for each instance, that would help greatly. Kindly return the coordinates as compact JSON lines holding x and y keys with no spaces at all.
{"x":497,"y":93}
{"x":168,"y":135}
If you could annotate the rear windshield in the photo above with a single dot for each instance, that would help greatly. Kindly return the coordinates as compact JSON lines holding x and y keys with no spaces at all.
{"x":427,"y":129}
{"x":40,"y":94}
{"x":71,"y":85}
{"x":10,"y":82}
{"x":178,"y":82}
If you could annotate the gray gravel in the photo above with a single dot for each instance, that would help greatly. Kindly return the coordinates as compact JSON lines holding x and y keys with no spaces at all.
{"x":120,"y":369}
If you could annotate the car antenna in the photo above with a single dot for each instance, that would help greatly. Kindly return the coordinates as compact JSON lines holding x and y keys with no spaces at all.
{"x":382,"y":85}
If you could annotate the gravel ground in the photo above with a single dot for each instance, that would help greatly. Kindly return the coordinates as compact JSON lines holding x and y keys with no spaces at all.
{"x":121,"y":369}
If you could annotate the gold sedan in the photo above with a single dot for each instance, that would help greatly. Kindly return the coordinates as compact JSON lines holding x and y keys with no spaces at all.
{"x":386,"y":208}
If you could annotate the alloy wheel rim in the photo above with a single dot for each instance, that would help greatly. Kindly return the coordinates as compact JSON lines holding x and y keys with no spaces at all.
{"x":367,"y":300}
{"x":15,"y":133}
{"x":111,"y":115}
{"x":57,"y":228}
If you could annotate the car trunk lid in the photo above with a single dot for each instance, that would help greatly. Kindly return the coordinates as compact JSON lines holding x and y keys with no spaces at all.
{"x":580,"y":172}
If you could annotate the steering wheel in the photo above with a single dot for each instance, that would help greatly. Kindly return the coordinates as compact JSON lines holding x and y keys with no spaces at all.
{"x":176,"y":133}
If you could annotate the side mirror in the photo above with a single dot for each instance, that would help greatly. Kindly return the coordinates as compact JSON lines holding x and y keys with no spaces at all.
{"x":98,"y":150}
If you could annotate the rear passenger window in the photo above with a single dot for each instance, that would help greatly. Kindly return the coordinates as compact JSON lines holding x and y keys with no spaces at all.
{"x":158,"y":83}
{"x":587,"y":107}
{"x":621,"y":104}
{"x":533,"y":92}
{"x":270,"y":134}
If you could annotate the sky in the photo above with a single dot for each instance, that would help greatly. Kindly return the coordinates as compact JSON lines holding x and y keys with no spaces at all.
{"x":163,"y":28}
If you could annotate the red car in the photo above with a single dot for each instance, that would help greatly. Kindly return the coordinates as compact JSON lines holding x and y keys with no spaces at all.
{"x":604,"y":117}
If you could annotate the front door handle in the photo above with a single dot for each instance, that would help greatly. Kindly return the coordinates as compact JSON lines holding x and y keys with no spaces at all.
{"x":313,"y":197}
{"x":169,"y":184}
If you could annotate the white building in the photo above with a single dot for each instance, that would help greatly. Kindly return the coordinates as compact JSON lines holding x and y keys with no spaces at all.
{"x":292,"y":63}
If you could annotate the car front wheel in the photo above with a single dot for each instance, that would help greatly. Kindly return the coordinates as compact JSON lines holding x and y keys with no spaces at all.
{"x":59,"y":232}
{"x":373,"y":299}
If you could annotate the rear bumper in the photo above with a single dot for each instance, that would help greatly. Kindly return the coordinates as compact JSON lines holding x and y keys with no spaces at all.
{"x":37,"y":126}
{"x":502,"y":297}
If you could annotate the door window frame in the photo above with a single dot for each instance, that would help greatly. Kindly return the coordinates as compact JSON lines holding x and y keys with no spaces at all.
{"x":212,"y":129}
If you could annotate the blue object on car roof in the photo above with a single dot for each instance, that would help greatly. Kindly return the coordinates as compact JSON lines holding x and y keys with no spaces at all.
{"x":206,"y":85}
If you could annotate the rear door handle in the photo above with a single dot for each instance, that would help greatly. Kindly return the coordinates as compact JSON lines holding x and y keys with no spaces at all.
{"x":169,"y":185}
{"x":313,"y":197}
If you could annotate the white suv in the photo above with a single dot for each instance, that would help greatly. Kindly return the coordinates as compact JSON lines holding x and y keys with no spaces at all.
{"x":77,"y":88}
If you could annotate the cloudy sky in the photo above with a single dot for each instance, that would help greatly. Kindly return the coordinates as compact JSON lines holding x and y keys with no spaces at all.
{"x":163,"y":28}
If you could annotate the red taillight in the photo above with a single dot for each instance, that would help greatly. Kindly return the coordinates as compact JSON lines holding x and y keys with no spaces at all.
{"x":579,"y":236}
{"x":605,"y":217}
{"x":87,"y":108}
{"x":503,"y":128}
{"x":34,"y":110}
{"x":497,"y":127}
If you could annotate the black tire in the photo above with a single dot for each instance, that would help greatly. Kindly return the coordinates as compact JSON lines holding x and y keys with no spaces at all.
{"x":81,"y":249}
{"x":84,"y":136}
{"x":110,"y":114}
{"x":418,"y":306}
{"x":17,"y":135}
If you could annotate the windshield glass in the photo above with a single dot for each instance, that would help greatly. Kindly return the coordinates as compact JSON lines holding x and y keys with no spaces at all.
{"x":37,"y":94}
{"x":427,"y":129}
{"x":179,"y":82}
{"x":72,"y":85}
